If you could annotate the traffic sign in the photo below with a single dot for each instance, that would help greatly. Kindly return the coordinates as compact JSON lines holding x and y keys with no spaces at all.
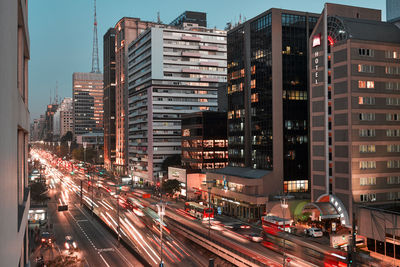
{"x":288,"y":259}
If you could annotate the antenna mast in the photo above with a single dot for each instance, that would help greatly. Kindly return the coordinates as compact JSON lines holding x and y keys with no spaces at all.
{"x":95,"y":54}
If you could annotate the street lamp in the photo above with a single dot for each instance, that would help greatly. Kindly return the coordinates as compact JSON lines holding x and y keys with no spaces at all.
{"x":161,"y":213}
{"x":284,"y":205}
{"x":69,"y":149}
{"x":209,"y":187}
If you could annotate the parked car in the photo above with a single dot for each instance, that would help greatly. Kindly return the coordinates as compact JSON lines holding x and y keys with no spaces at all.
{"x":314,"y":232}
{"x":254,"y":237}
{"x":70,"y":244}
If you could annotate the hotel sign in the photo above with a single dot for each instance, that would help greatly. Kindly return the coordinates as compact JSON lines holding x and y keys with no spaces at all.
{"x":316,"y":40}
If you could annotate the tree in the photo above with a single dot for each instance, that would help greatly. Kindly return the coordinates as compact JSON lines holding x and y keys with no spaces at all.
{"x":171,"y":186}
{"x":38,"y":192}
{"x":78,"y":154}
{"x":67,"y":137}
{"x":174,"y":160}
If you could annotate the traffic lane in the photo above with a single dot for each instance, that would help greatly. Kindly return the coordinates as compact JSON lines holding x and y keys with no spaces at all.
{"x":95,"y":240}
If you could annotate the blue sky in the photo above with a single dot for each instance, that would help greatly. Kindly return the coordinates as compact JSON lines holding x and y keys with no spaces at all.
{"x":61,"y":32}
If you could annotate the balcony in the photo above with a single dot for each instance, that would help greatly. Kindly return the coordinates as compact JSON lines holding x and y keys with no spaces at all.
{"x":191,"y":38}
{"x":209,"y":47}
{"x":24,"y":208}
{"x":190,"y":54}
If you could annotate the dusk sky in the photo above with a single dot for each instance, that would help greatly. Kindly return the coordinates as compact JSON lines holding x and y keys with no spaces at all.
{"x":61,"y":32}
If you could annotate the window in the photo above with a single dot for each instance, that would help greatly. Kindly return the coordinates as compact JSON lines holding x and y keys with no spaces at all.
{"x":392,"y":70}
{"x":368,"y":181}
{"x":393,"y":164}
{"x":392,"y":54}
{"x":366,"y":68}
{"x":392,"y":116}
{"x":367,"y":132}
{"x":367,"y":165}
{"x":370,"y":84}
{"x":367,"y":148}
{"x":367,"y":116}
{"x":393,"y":132}
{"x":392,"y":101}
{"x":366,"y":52}
{"x":393,"y":195}
{"x":366,"y":100}
{"x":393,"y":148}
{"x":368,"y":197}
{"x":362,"y":84}
{"x":392,"y":86}
{"x":254,"y":98}
{"x":393,"y":180}
{"x":253,"y":84}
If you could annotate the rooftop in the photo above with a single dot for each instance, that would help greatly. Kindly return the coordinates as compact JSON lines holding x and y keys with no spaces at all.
{"x":241,"y":172}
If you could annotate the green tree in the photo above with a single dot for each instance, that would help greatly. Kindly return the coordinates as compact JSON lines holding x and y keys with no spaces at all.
{"x":78,"y":154}
{"x":171,"y":186}
{"x":174,"y":160}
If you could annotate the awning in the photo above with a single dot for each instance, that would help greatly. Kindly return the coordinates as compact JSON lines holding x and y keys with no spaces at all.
{"x":326,"y":209}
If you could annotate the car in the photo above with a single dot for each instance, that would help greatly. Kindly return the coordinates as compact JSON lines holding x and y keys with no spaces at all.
{"x":254,"y":237}
{"x":237,"y":226}
{"x":314,"y":232}
{"x":70,"y":244}
{"x":47,"y":239}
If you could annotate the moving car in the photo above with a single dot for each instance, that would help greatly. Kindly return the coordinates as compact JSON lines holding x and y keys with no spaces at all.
{"x":237,"y":226}
{"x":47,"y":239}
{"x":70,"y":244}
{"x":314,"y":232}
{"x":254,"y":237}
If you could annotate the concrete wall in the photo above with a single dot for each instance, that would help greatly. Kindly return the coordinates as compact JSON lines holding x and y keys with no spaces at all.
{"x":14,"y":54}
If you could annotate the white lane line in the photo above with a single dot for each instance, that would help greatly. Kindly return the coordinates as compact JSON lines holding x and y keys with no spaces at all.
{"x":101,"y":256}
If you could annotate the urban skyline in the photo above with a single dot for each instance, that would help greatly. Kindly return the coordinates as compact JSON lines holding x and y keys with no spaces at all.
{"x":76,"y":55}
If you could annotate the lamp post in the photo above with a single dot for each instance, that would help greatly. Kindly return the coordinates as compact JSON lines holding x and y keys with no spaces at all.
{"x":69,"y":149}
{"x":284,"y":205}
{"x":209,"y":187}
{"x":161,"y":213}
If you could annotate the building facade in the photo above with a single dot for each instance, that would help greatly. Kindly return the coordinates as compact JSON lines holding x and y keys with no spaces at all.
{"x":204,"y":141}
{"x":14,"y":132}
{"x":267,"y":96}
{"x":126,"y":30}
{"x":49,"y":126}
{"x":109,"y":98}
{"x":355,"y":123}
{"x":171,"y":72}
{"x":87,"y":93}
{"x":199,"y":18}
{"x":63,"y":120}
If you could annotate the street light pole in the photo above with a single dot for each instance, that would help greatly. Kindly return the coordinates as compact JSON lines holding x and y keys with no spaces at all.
{"x":118,"y":227}
{"x":69,"y":149}
{"x":161,"y":213}
{"x":284,"y":205}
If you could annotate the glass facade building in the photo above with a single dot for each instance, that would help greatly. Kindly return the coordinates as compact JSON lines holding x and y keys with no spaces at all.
{"x":267,"y":95}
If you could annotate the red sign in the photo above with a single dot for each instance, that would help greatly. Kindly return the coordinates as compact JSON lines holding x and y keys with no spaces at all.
{"x":316,"y":40}
{"x":288,"y":259}
{"x":146,"y":195}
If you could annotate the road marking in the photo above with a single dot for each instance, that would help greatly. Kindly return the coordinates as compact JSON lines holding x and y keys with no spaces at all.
{"x":104,"y":260}
{"x":105,"y":249}
{"x":78,"y":221}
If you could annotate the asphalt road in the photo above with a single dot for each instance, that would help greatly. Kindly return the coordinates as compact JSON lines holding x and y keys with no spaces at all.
{"x":96,"y":246}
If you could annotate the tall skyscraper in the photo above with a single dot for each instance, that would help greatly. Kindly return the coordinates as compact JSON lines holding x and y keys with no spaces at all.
{"x":267,"y":96}
{"x":172,"y":71}
{"x":14,"y":133}
{"x":393,"y":10}
{"x":355,"y":119}
{"x":63,"y":118}
{"x":127,"y":30}
{"x":109,"y":98}
{"x":87,"y":95}
{"x":49,"y":127}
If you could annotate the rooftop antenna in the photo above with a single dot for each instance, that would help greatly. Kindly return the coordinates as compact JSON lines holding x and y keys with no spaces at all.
{"x":158,"y":17}
{"x":95,"y":54}
{"x":56,"y":92}
{"x":50,"y":96}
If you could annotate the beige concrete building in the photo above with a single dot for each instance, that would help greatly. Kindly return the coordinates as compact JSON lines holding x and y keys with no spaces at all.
{"x":355,"y":109}
{"x":14,"y":133}
{"x":127,"y":30}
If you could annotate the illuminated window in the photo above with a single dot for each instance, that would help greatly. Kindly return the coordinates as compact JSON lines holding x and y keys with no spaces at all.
{"x":370,"y":84}
{"x":253,"y":84}
{"x":254,"y":98}
{"x":367,"y":148}
{"x":368,"y":181}
{"x":295,"y":186}
{"x":362,"y":84}
{"x":367,"y":165}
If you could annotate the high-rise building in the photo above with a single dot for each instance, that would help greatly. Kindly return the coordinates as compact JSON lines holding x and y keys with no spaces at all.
{"x":191,"y":17}
{"x":109,"y":98}
{"x":267,"y":97}
{"x":49,"y":126}
{"x":355,"y":120}
{"x":204,"y":141}
{"x":171,"y":72}
{"x":14,"y":133}
{"x":126,"y":30}
{"x":393,"y":10}
{"x":87,"y":93}
{"x":63,"y":118}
